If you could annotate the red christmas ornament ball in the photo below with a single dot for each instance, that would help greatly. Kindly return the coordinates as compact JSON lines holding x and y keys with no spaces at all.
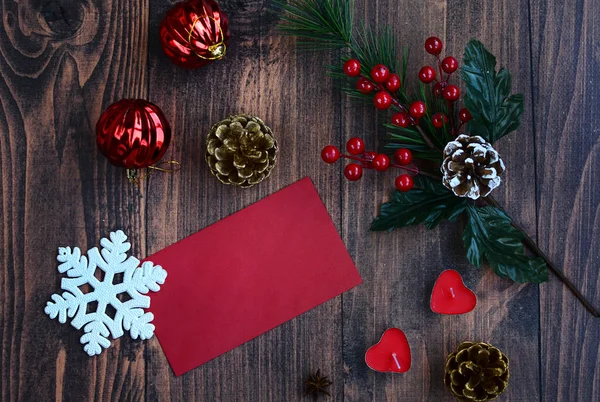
{"x":194,"y":33}
{"x":403,"y":156}
{"x":401,"y":119}
{"x":364,"y":86}
{"x":353,"y":171}
{"x":418,"y":109}
{"x":330,"y":154}
{"x":380,"y":73}
{"x":439,"y":119}
{"x":393,"y":83}
{"x":382,"y":100}
{"x":451,"y":93}
{"x":433,"y":45}
{"x":352,"y":68}
{"x":404,"y":182}
{"x":355,"y":146}
{"x":449,"y":64}
{"x":133,"y":133}
{"x":427,"y":74}
{"x":381,"y":162}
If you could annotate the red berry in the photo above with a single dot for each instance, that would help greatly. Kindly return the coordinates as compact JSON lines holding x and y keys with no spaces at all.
{"x":364,"y":86}
{"x":464,"y":115}
{"x":417,"y":109}
{"x":380,"y":73}
{"x":369,"y":156}
{"x":382,"y":100}
{"x":449,"y":64}
{"x":352,"y":68}
{"x":401,"y":119}
{"x":433,"y":45}
{"x":427,"y":74}
{"x":353,"y":171}
{"x":404,"y":182}
{"x":438,"y":88}
{"x":381,"y":162}
{"x":330,"y":154}
{"x":403,"y":156}
{"x":393,"y":83}
{"x":439,"y":119}
{"x":451,"y":93}
{"x":355,"y":146}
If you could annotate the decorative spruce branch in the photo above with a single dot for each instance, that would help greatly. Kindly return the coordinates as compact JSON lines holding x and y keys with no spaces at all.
{"x":490,"y":111}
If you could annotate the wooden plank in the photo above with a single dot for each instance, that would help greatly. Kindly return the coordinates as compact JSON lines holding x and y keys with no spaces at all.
{"x":400,"y":268}
{"x":565,"y":77}
{"x":62,"y":63}
{"x":260,"y":75}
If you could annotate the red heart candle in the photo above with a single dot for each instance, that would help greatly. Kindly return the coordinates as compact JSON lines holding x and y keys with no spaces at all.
{"x":391,"y":354}
{"x":450,"y":295}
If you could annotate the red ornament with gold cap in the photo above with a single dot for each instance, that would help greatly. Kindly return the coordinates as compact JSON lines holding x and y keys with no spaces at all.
{"x":194,"y":33}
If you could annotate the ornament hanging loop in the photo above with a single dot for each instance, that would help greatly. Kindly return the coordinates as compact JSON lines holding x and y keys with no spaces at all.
{"x":132,"y":174}
{"x":218,"y":49}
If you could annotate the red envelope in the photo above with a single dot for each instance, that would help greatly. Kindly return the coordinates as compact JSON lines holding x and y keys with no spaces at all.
{"x":247,"y":274}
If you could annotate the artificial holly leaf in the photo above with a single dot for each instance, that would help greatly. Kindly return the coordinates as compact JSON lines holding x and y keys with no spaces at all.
{"x":495,"y":111}
{"x":490,"y":235}
{"x":428,"y":202}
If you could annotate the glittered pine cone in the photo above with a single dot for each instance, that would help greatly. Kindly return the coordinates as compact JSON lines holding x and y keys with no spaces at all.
{"x":476,"y":372}
{"x":241,"y":150}
{"x":471,"y":167}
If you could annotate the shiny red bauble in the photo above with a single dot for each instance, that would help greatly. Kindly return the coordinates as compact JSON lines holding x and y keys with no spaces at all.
{"x":353,"y":171}
{"x":403,"y":156}
{"x":194,"y":33}
{"x":381,"y":162}
{"x":449,"y":64}
{"x":355,"y":146}
{"x":133,"y":133}
{"x":369,"y":156}
{"x":364,"y":86}
{"x":451,"y":93}
{"x":404,"y":182}
{"x":464,"y":115}
{"x":330,"y":154}
{"x":433,"y":45}
{"x":401,"y":119}
{"x":417,"y":109}
{"x":393,"y":83}
{"x":352,"y":68}
{"x":380,"y":73}
{"x":427,"y":74}
{"x":382,"y":100}
{"x":439,"y":119}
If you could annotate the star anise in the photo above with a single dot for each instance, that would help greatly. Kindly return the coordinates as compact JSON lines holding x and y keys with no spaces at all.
{"x":317,"y":384}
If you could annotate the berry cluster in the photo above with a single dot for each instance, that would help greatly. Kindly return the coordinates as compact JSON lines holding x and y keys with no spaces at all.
{"x":442,"y":87}
{"x":372,"y":160}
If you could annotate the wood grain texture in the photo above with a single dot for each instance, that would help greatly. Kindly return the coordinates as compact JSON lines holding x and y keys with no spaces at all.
{"x":566,"y":72}
{"x":63,"y":61}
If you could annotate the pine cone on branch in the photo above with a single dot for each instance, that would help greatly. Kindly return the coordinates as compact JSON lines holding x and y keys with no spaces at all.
{"x":471,"y":167}
{"x":476,"y":372}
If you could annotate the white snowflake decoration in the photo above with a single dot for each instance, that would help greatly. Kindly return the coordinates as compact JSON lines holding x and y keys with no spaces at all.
{"x":129,"y":315}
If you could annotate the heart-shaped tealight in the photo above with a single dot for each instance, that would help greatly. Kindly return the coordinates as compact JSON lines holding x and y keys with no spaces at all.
{"x":450,"y":295}
{"x":391,"y":354}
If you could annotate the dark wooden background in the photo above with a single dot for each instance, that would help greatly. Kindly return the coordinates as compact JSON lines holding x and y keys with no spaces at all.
{"x":63,"y":61}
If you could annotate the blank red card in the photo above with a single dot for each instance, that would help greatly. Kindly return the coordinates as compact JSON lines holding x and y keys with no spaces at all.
{"x":247,"y":274}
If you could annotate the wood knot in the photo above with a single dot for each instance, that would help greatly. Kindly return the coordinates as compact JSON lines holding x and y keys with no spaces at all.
{"x":63,"y":17}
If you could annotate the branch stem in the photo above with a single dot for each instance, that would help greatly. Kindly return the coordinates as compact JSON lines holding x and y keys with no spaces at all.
{"x":531,"y":244}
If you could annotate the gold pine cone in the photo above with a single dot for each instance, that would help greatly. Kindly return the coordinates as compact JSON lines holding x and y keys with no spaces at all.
{"x":476,"y":372}
{"x":241,"y":150}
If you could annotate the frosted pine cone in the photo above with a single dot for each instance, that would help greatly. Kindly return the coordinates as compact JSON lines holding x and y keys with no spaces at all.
{"x":241,"y":150}
{"x":472,"y":167}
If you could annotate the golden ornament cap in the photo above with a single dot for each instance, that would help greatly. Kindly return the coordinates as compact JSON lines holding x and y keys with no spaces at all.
{"x":241,"y":150}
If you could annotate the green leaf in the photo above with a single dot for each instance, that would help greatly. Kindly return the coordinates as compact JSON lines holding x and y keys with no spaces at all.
{"x":495,"y":111}
{"x":490,"y":235}
{"x":428,"y":203}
